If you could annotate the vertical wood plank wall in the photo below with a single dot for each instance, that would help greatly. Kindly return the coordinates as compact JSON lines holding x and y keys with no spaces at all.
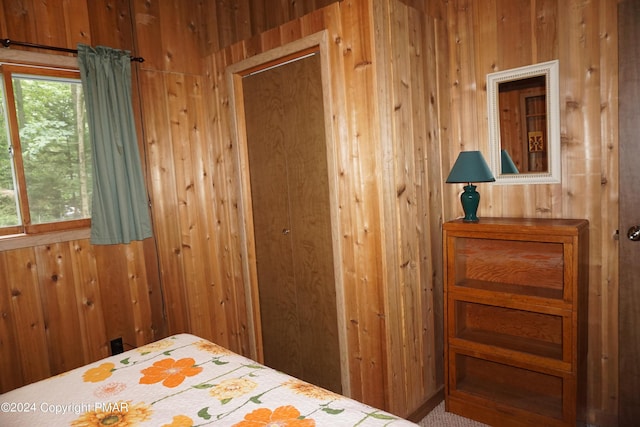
{"x":187,"y":147}
{"x":408,"y":62}
{"x":63,"y":300}
{"x":387,"y":192}
{"x":493,"y":35}
{"x":365,"y":330}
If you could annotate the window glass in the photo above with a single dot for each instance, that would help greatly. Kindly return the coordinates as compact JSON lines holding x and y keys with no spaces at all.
{"x":45,"y":160}
{"x":8,"y":196}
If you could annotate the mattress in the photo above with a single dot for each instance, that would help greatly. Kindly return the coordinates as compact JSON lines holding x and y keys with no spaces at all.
{"x":181,"y":381}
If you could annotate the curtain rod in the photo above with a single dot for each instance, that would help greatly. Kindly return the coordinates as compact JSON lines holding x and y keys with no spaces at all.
{"x":8,"y":43}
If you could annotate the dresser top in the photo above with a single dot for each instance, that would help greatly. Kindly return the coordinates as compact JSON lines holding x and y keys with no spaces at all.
{"x":514,"y":225}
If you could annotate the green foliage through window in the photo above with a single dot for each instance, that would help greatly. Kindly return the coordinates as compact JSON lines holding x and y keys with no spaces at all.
{"x":8,"y":201}
{"x":50,"y":160}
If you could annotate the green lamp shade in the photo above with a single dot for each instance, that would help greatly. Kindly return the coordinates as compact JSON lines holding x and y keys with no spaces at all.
{"x":470,"y":167}
{"x":506,"y":164}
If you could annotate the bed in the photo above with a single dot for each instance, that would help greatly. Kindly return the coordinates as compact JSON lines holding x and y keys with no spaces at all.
{"x":181,"y":381}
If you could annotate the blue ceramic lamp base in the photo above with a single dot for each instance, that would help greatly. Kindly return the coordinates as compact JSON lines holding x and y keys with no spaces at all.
{"x":470,"y":199}
{"x":470,"y":167}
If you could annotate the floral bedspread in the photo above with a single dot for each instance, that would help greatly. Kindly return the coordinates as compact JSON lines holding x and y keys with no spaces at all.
{"x":182,"y":381}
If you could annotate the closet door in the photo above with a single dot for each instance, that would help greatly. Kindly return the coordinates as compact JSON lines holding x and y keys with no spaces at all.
{"x":292,"y":223}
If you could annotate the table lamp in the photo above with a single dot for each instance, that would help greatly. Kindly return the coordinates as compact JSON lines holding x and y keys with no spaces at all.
{"x":507,"y":165}
{"x":470,"y":167}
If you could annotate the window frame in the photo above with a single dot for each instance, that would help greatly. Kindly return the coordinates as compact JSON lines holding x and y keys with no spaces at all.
{"x":31,"y":64}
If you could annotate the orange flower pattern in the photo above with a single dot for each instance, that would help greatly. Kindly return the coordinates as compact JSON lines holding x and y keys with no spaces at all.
{"x":212,"y":348}
{"x":185,"y":381}
{"x":109,"y":389}
{"x":98,"y":374}
{"x":180,"y":421}
{"x":121,"y":414}
{"x":283,"y":416}
{"x":310,"y":390}
{"x":171,"y":372}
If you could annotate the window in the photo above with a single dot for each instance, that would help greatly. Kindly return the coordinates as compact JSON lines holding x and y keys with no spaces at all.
{"x":45,"y":152}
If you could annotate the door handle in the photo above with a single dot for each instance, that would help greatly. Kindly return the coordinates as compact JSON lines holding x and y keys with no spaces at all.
{"x":634,"y":233}
{"x":285,"y":231}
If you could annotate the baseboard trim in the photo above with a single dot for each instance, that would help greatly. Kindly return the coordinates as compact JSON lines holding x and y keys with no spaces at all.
{"x":427,"y":406}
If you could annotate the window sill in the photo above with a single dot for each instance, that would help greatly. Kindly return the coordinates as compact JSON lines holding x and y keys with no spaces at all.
{"x":19,"y":241}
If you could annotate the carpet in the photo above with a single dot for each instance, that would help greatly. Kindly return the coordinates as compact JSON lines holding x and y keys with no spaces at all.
{"x":439,"y":418}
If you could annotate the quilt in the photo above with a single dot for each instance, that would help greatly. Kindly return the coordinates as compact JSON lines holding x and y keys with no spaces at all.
{"x":182,"y":381}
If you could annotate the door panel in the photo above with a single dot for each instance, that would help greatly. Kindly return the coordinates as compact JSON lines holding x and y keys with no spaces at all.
{"x":289,"y":189}
{"x":311,"y":225}
{"x":269,"y":193}
{"x":629,"y":293}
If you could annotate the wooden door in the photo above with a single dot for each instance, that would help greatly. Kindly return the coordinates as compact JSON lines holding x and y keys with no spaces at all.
{"x":292,"y":223}
{"x":629,"y":293}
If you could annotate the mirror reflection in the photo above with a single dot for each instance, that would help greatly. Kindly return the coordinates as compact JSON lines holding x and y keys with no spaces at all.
{"x":524,"y":124}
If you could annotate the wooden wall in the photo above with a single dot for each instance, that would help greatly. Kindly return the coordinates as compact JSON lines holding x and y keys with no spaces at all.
{"x":410,"y":55}
{"x":61,"y":299}
{"x":191,"y":182}
{"x":386,"y":185}
{"x":61,"y":302}
{"x":492,"y":35}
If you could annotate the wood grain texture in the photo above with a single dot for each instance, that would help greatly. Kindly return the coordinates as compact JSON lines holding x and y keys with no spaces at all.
{"x":583,"y":37}
{"x":73,"y":298}
{"x":407,"y":78}
{"x":58,"y":293}
{"x":66,"y":301}
{"x":629,"y":315}
{"x":356,"y":159}
{"x":170,"y":36}
{"x":267,"y":146}
{"x":292,"y":220}
{"x":514,"y":350}
{"x":359,"y":197}
{"x":447,"y":63}
{"x":26,"y":319}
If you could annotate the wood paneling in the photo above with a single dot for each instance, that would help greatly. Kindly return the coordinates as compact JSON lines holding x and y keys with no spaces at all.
{"x":407,"y":56}
{"x":384,"y":186}
{"x":399,"y":134}
{"x":63,"y":299}
{"x":199,"y":260}
{"x":109,"y":22}
{"x":488,"y":36}
{"x":25,"y":320}
{"x":170,"y":35}
{"x":63,"y":302}
{"x":231,"y":21}
{"x":57,"y":291}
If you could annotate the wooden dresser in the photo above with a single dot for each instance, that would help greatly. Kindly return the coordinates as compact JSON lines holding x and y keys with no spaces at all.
{"x":515,"y":320}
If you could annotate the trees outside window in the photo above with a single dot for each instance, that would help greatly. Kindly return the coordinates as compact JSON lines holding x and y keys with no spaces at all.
{"x":45,"y":154}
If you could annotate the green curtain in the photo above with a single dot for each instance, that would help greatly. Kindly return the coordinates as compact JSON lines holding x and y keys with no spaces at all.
{"x":120,"y":211}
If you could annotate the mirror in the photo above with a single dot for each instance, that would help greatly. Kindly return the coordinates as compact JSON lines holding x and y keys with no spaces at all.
{"x":524,"y":124}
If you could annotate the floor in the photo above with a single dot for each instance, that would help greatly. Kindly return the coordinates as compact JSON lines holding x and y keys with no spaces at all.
{"x":439,"y":418}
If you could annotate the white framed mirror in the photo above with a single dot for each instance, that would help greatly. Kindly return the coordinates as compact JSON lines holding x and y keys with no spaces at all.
{"x":524,"y":124}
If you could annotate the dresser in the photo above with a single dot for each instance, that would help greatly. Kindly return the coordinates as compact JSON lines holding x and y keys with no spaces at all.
{"x":515,"y":302}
